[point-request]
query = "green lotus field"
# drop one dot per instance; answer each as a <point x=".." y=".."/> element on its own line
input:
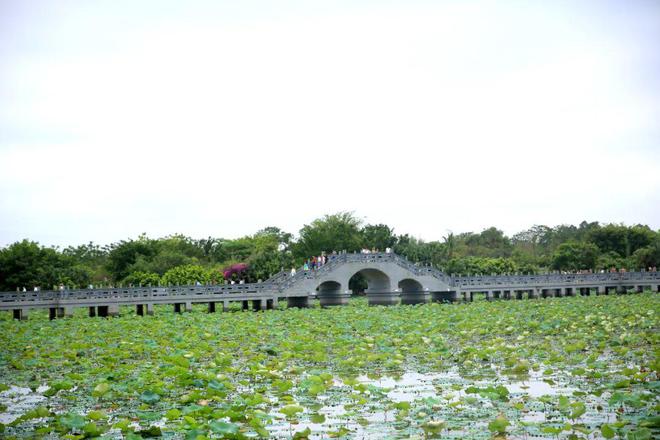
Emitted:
<point x="562" y="368"/>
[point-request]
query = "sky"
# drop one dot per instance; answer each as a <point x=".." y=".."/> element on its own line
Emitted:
<point x="219" y="118"/>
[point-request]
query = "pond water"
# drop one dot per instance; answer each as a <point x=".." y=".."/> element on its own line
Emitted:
<point x="427" y="392"/>
<point x="18" y="401"/>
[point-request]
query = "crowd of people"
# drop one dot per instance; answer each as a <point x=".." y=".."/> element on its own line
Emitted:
<point x="317" y="262"/>
<point x="314" y="263"/>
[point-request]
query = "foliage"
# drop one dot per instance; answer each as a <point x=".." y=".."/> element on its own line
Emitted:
<point x="540" y="248"/>
<point x="378" y="236"/>
<point x="577" y="367"/>
<point x="481" y="265"/>
<point x="336" y="232"/>
<point x="27" y="264"/>
<point x="187" y="275"/>
<point x="574" y="256"/>
<point x="142" y="279"/>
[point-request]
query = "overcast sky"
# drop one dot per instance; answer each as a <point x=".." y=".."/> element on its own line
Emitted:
<point x="218" y="118"/>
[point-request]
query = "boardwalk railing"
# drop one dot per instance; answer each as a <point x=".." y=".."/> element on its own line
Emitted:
<point x="283" y="284"/>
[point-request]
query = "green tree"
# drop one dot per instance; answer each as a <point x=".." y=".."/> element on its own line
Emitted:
<point x="334" y="232"/>
<point x="187" y="275"/>
<point x="123" y="255"/>
<point x="609" y="260"/>
<point x="92" y="260"/>
<point x="490" y="242"/>
<point x="413" y="249"/>
<point x="575" y="255"/>
<point x="533" y="241"/>
<point x="449" y="241"/>
<point x="269" y="254"/>
<point x="378" y="237"/>
<point x="28" y="264"/>
<point x="638" y="237"/>
<point x="648" y="256"/>
<point x="481" y="265"/>
<point x="142" y="279"/>
<point x="611" y="238"/>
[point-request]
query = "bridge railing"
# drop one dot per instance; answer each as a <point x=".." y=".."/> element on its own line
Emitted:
<point x="577" y="279"/>
<point x="135" y="292"/>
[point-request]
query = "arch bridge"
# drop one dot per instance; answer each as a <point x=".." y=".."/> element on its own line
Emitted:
<point x="390" y="279"/>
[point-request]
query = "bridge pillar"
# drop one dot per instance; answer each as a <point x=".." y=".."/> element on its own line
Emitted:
<point x="451" y="296"/>
<point x="560" y="293"/>
<point x="271" y="304"/>
<point x="490" y="295"/>
<point x="92" y="311"/>
<point x="382" y="298"/>
<point x="534" y="293"/>
<point x="330" y="293"/>
<point x="258" y="304"/>
<point x="20" y="314"/>
<point x="144" y="309"/>
<point x="334" y="299"/>
<point x="65" y="312"/>
<point x="639" y="289"/>
<point x="419" y="297"/>
<point x="506" y="294"/>
<point x="225" y="306"/>
<point x="300" y="302"/>
<point x="602" y="290"/>
<point x="184" y="306"/>
<point x="113" y="310"/>
<point x="655" y="288"/>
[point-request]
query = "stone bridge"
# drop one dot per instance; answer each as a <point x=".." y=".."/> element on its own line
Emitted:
<point x="390" y="279"/>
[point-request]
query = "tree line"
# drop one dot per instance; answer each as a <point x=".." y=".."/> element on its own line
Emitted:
<point x="179" y="260"/>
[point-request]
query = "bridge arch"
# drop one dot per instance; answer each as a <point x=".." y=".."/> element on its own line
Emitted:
<point x="413" y="292"/>
<point x="377" y="280"/>
<point x="381" y="286"/>
<point x="410" y="285"/>
<point x="330" y="293"/>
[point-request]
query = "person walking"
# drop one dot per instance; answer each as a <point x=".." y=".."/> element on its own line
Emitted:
<point x="293" y="271"/>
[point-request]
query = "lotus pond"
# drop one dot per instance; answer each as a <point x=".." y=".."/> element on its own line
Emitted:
<point x="565" y="368"/>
